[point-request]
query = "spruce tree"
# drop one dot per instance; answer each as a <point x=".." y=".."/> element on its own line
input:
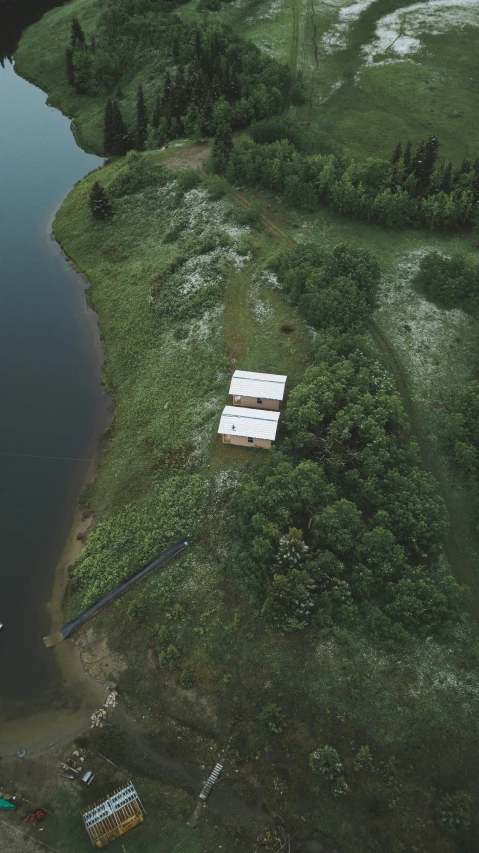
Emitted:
<point x="155" y="119"/>
<point x="77" y="36"/>
<point x="397" y="154"/>
<point x="141" y="121"/>
<point x="432" y="150"/>
<point x="446" y="177"/>
<point x="166" y="97"/>
<point x="108" y="129"/>
<point x="69" y="66"/>
<point x="423" y="163"/>
<point x="407" y="157"/>
<point x="100" y="204"/>
<point x="222" y="148"/>
<point x="121" y="139"/>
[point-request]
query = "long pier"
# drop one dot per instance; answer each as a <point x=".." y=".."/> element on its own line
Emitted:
<point x="113" y="594"/>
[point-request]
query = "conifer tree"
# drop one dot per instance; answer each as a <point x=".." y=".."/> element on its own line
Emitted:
<point x="141" y="121"/>
<point x="69" y="66"/>
<point x="222" y="148"/>
<point x="108" y="128"/>
<point x="166" y="97"/>
<point x="432" y="150"/>
<point x="446" y="177"/>
<point x="423" y="163"/>
<point x="407" y="157"/>
<point x="115" y="133"/>
<point x="292" y="551"/>
<point x="465" y="167"/>
<point x="397" y="153"/>
<point x="100" y="204"/>
<point x="155" y="119"/>
<point x="121" y="138"/>
<point x="77" y="36"/>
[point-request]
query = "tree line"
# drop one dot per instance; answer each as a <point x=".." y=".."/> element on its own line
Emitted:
<point x="341" y="526"/>
<point x="207" y="76"/>
<point x="411" y="189"/>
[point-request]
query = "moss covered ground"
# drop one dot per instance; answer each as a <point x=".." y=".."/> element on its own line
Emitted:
<point x="200" y="666"/>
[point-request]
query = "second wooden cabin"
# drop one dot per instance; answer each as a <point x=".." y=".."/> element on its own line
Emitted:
<point x="257" y="390"/>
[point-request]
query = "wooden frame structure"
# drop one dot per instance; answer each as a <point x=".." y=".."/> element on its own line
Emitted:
<point x="113" y="816"/>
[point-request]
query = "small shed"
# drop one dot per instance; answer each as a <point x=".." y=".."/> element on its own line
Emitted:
<point x="248" y="427"/>
<point x="113" y="816"/>
<point x="257" y="390"/>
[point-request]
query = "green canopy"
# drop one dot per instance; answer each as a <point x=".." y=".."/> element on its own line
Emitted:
<point x="4" y="804"/>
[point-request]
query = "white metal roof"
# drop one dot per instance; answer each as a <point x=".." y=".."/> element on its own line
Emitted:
<point x="269" y="386"/>
<point x="249" y="423"/>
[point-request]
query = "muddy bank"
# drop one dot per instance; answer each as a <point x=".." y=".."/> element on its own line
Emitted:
<point x="83" y="694"/>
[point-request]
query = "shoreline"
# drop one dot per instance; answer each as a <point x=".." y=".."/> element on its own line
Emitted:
<point x="46" y="730"/>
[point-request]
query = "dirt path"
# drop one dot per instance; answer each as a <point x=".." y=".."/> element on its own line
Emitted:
<point x="293" y="59"/>
<point x="453" y="547"/>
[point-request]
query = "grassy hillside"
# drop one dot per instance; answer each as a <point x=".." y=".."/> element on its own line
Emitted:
<point x="181" y="280"/>
<point x="164" y="473"/>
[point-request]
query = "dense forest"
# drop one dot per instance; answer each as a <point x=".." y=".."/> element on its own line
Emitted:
<point x="356" y="535"/>
<point x="207" y="75"/>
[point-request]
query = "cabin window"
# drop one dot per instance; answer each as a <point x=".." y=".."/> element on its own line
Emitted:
<point x="259" y="401"/>
<point x="250" y="440"/>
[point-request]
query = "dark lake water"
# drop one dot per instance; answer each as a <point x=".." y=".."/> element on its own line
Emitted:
<point x="51" y="404"/>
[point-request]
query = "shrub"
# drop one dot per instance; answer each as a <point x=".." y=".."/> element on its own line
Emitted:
<point x="169" y="658"/>
<point x="363" y="759"/>
<point x="455" y="810"/>
<point x="325" y="762"/>
<point x="100" y="204"/>
<point x="271" y="720"/>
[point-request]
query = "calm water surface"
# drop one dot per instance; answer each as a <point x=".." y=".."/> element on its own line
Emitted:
<point x="50" y="395"/>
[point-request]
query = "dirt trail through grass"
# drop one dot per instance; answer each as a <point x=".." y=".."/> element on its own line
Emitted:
<point x="310" y="11"/>
<point x="453" y="547"/>
<point x="293" y="62"/>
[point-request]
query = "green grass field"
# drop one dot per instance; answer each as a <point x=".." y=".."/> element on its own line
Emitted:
<point x="376" y="73"/>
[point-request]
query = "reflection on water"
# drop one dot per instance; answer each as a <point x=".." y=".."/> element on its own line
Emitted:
<point x="50" y="393"/>
<point x="15" y="15"/>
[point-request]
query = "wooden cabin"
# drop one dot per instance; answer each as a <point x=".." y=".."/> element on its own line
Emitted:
<point x="248" y="427"/>
<point x="257" y="390"/>
<point x="114" y="816"/>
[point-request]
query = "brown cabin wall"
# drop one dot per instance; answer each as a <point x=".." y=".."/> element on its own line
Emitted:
<point x="252" y="403"/>
<point x="243" y="441"/>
